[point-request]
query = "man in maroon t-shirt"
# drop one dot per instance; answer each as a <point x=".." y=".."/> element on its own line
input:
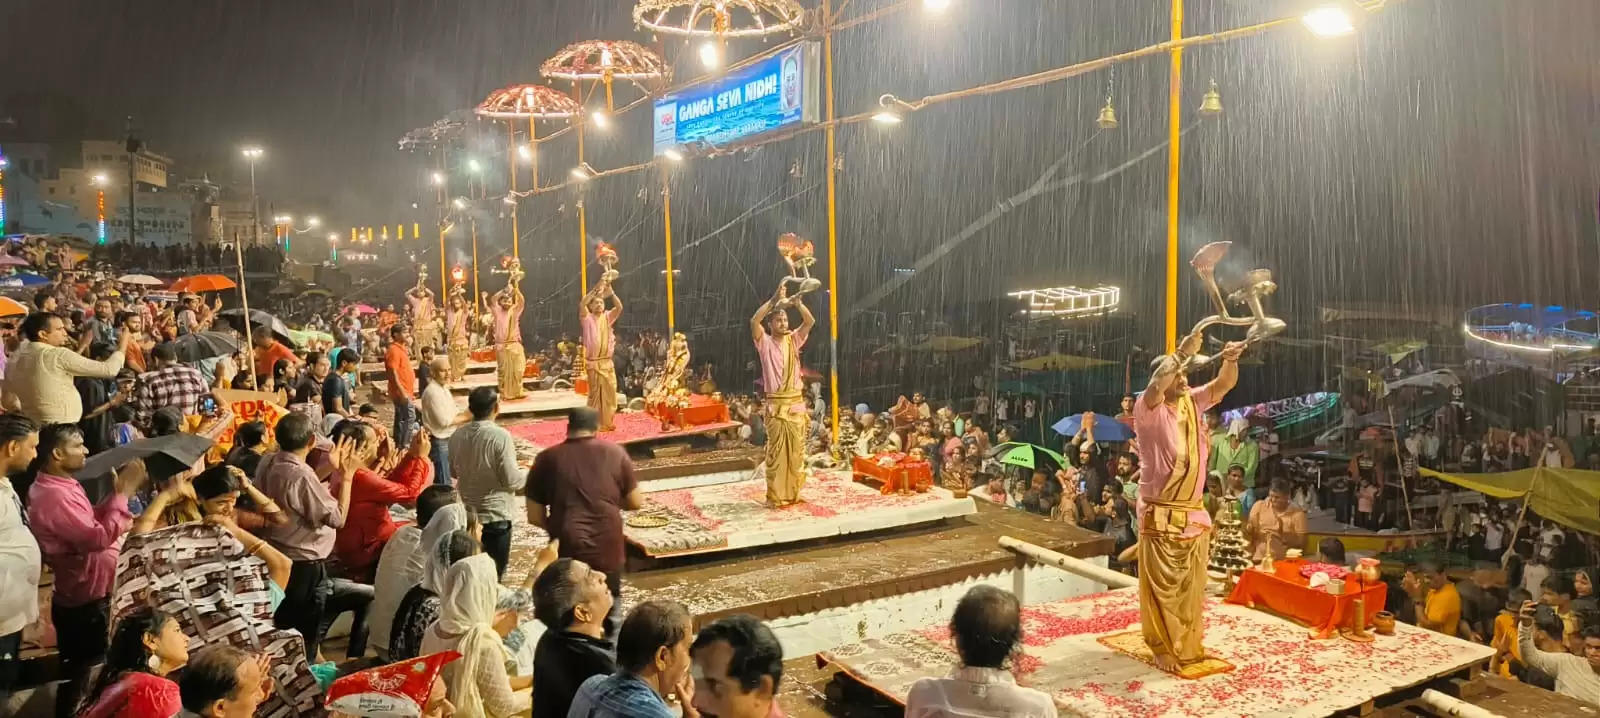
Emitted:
<point x="577" y="491"/>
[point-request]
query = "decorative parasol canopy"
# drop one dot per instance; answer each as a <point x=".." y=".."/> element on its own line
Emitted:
<point x="604" y="60"/>
<point x="719" y="18"/>
<point x="203" y="283"/>
<point x="448" y="129"/>
<point x="524" y="101"/>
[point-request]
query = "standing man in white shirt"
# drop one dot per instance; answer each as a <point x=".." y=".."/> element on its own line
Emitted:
<point x="39" y="376"/>
<point x="440" y="417"/>
<point x="987" y="627"/>
<point x="19" y="553"/>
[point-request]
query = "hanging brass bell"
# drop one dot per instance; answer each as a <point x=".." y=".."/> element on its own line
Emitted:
<point x="1108" y="117"/>
<point x="1211" y="105"/>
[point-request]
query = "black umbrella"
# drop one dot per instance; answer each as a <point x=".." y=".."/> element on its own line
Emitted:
<point x="163" y="456"/>
<point x="200" y="346"/>
<point x="261" y="320"/>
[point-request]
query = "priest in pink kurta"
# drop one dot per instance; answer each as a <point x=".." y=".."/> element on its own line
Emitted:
<point x="1174" y="528"/>
<point x="785" y="413"/>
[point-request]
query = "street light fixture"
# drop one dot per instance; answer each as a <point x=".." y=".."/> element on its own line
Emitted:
<point x="600" y="119"/>
<point x="525" y="152"/>
<point x="1332" y="18"/>
<point x="473" y="165"/>
<point x="935" y="5"/>
<point x="673" y="154"/>
<point x="459" y="203"/>
<point x="251" y="154"/>
<point x="710" y="55"/>
<point x="890" y="110"/>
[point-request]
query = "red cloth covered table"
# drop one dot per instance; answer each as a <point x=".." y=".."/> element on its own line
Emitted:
<point x="1295" y="599"/>
<point x="702" y="409"/>
<point x="903" y="474"/>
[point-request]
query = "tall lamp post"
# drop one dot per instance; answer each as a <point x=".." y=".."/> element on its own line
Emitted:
<point x="251" y="154"/>
<point x="100" y="180"/>
<point x="133" y="145"/>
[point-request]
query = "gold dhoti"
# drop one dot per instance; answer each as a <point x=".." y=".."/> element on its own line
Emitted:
<point x="1172" y="583"/>
<point x="603" y="391"/>
<point x="786" y="453"/>
<point x="425" y="336"/>
<point x="458" y="361"/>
<point x="510" y="364"/>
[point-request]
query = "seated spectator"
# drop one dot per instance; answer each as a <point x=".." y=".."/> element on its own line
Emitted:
<point x="1507" y="659"/>
<point x="169" y="384"/>
<point x="738" y="664"/>
<point x="572" y="601"/>
<point x="224" y="682"/>
<point x="653" y="663"/>
<point x="146" y="646"/>
<point x="419" y="608"/>
<point x="393" y="580"/>
<point x="249" y="445"/>
<point x="1330" y="550"/>
<point x="369" y="524"/>
<point x="987" y="628"/>
<point x="466" y="625"/>
<point x="1577" y="676"/>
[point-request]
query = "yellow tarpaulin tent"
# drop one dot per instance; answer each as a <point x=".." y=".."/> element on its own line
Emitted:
<point x="1570" y="497"/>
<point x="1059" y="362"/>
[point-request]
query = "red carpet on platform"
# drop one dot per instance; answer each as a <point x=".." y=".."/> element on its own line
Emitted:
<point x="631" y="427"/>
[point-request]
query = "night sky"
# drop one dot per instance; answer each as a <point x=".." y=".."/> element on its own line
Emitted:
<point x="1446" y="155"/>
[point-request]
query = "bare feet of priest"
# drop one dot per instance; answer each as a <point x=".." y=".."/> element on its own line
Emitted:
<point x="1167" y="662"/>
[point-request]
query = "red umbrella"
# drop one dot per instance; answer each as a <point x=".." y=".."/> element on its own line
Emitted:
<point x="203" y="283"/>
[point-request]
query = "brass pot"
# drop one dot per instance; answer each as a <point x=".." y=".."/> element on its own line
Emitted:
<point x="1383" y="623"/>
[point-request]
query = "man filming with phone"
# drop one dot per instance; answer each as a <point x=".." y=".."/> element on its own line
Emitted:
<point x="1576" y="676"/>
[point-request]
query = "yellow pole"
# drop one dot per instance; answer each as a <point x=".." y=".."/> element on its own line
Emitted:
<point x="1174" y="127"/>
<point x="666" y="215"/>
<point x="533" y="150"/>
<point x="833" y="226"/>
<point x="583" y="225"/>
<point x="511" y="158"/>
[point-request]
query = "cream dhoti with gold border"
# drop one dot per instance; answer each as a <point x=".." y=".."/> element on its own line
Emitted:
<point x="1173" y="551"/>
<point x="603" y="391"/>
<point x="510" y="363"/>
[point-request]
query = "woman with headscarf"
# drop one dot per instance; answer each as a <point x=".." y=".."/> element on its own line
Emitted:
<point x="478" y="682"/>
<point x="425" y="573"/>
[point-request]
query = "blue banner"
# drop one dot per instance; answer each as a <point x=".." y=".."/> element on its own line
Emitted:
<point x="775" y="93"/>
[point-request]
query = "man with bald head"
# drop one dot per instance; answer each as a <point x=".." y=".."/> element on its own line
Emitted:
<point x="439" y="417"/>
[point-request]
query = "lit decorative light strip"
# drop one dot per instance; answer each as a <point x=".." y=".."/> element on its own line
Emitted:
<point x="1069" y="301"/>
<point x="100" y="206"/>
<point x="1467" y="330"/>
<point x="2" y="195"/>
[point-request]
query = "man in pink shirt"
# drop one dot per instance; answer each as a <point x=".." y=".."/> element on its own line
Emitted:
<point x="1174" y="528"/>
<point x="78" y="541"/>
<point x="786" y="414"/>
<point x="508" y="355"/>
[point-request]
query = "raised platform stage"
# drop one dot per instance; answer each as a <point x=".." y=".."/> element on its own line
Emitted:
<point x="634" y="427"/>
<point x="1277" y="669"/>
<point x="375" y="369"/>
<point x="543" y="401"/>
<point x="734" y="515"/>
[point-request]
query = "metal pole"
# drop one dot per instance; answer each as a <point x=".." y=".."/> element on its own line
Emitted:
<point x="833" y="226"/>
<point x="1174" y="129"/>
<point x="583" y="225"/>
<point x="255" y="207"/>
<point x="666" y="216"/>
<point x="444" y="271"/>
<point x="511" y="157"/>
<point x="533" y="150"/>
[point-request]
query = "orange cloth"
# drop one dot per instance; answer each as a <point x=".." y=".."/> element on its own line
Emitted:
<point x="265" y="358"/>
<point x="397" y="369"/>
<point x="701" y="410"/>
<point x="1296" y="599"/>
<point x="903" y="474"/>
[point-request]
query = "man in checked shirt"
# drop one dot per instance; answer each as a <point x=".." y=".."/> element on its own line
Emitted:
<point x="169" y="383"/>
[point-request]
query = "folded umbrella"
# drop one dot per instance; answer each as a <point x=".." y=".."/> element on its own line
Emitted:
<point x="200" y="346"/>
<point x="260" y="320"/>
<point x="163" y="456"/>
<point x="1105" y="428"/>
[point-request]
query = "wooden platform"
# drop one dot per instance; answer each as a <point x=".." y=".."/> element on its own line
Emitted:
<point x="632" y="428"/>
<point x="543" y="401"/>
<point x="473" y="367"/>
<point x="472" y="381"/>
<point x="1277" y="669"/>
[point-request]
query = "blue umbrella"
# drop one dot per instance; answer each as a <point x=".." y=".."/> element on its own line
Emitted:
<point x="1105" y="427"/>
<point x="23" y="279"/>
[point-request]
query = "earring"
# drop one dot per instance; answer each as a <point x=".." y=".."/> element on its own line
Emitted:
<point x="154" y="662"/>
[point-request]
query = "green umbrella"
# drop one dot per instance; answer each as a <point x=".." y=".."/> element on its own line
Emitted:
<point x="1027" y="456"/>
